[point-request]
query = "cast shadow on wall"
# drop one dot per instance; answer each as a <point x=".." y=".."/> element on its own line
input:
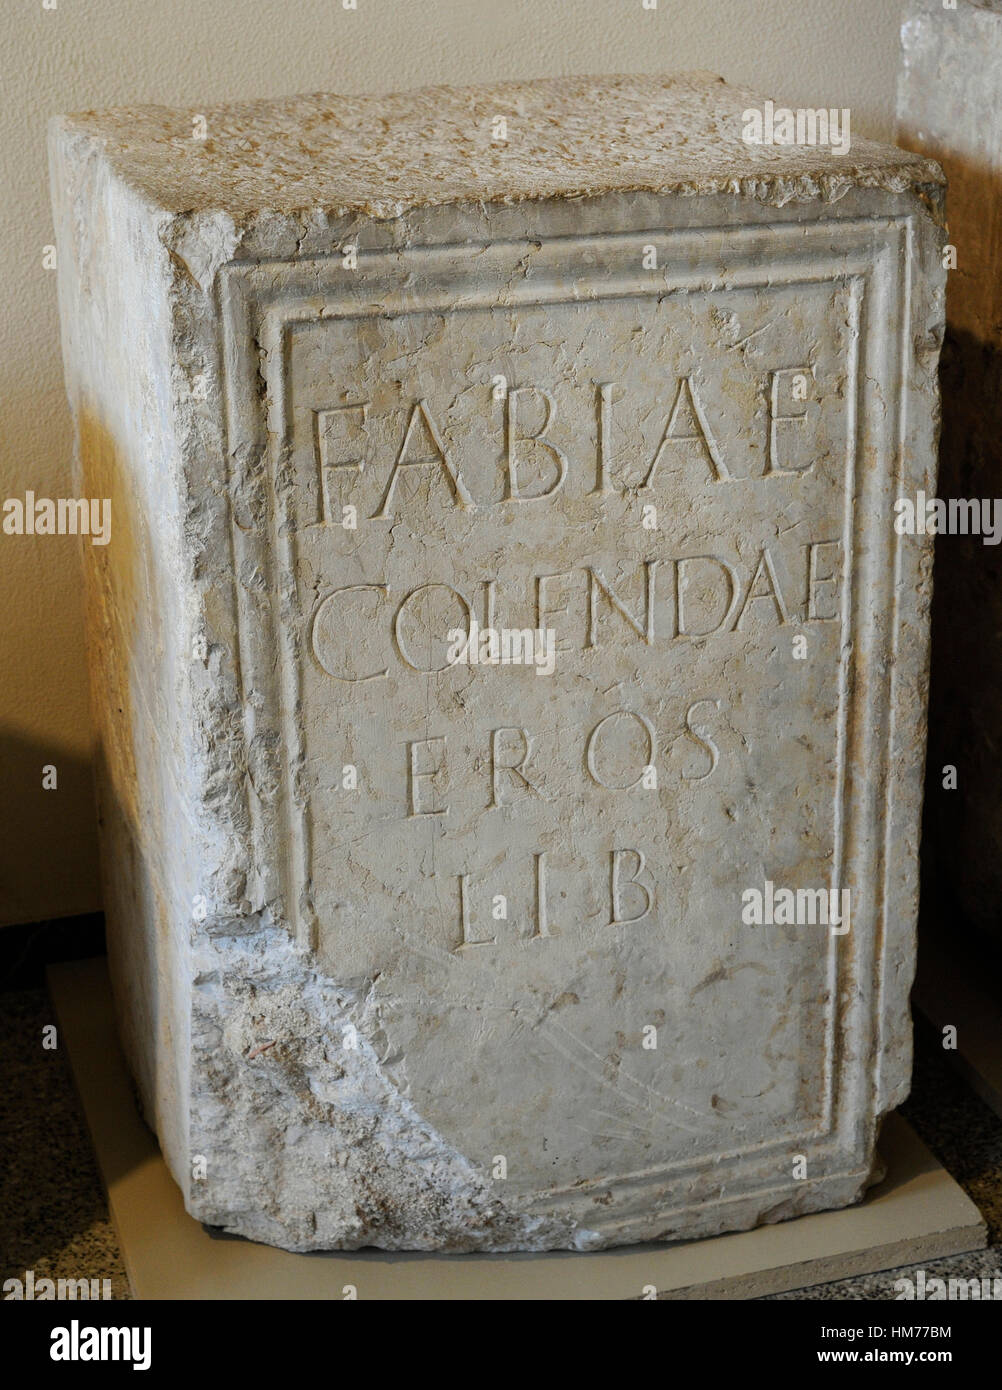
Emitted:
<point x="962" y="822"/>
<point x="42" y="790"/>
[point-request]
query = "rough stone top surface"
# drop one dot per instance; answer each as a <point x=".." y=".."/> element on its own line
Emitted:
<point x="567" y="137"/>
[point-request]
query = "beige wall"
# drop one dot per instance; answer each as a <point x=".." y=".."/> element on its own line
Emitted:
<point x="93" y="53"/>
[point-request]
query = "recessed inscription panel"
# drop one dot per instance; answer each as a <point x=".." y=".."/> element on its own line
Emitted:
<point x="644" y="500"/>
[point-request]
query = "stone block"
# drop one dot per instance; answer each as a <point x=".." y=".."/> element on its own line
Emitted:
<point x="425" y="942"/>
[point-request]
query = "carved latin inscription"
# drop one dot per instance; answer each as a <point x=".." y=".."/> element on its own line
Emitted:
<point x="335" y="429"/>
<point x="639" y="486"/>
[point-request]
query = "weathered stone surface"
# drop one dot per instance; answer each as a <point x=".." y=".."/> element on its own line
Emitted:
<point x="948" y="107"/>
<point x="623" y="377"/>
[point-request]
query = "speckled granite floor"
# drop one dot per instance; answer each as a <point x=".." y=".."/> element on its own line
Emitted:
<point x="53" y="1217"/>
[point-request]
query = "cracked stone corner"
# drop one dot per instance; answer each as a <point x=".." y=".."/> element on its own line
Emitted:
<point x="269" y="1029"/>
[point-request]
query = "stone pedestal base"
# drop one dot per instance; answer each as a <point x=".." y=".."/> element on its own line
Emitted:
<point x="597" y="926"/>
